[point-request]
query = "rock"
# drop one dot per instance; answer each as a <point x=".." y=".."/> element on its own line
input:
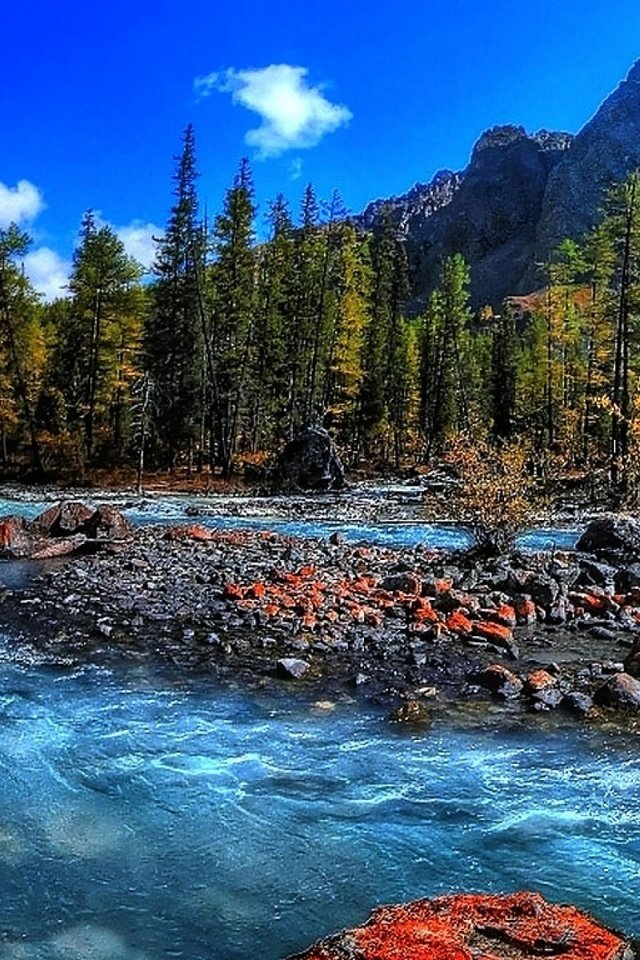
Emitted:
<point x="632" y="662"/>
<point x="526" y="610"/>
<point x="463" y="926"/>
<point x="622" y="691"/>
<point x="411" y="713"/>
<point x="58" y="547"/>
<point x="499" y="680"/>
<point x="579" y="703"/>
<point x="627" y="578"/>
<point x="613" y="533"/>
<point x="63" y="519"/>
<point x="193" y="531"/>
<point x="543" y="589"/>
<point x="291" y="668"/>
<point x="401" y="583"/>
<point x="15" y="540"/>
<point x="310" y="462"/>
<point x="539" y="680"/>
<point x="109" y="524"/>
<point x="597" y="574"/>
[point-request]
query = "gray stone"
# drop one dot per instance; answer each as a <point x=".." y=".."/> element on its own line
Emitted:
<point x="621" y="691"/>
<point x="291" y="668"/>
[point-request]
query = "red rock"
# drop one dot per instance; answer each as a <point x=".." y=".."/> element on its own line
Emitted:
<point x="60" y="547"/>
<point x="475" y="927"/>
<point x="192" y="531"/>
<point x="493" y="631"/>
<point x="526" y="611"/>
<point x="505" y="615"/>
<point x="460" y="624"/>
<point x="11" y="530"/>
<point x="257" y="591"/>
<point x="499" y="680"/>
<point x="232" y="591"/>
<point x="540" y="680"/>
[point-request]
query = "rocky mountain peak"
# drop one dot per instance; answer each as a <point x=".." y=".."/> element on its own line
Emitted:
<point x="519" y="197"/>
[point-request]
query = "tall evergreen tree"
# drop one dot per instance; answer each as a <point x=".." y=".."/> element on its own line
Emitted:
<point x="174" y="333"/>
<point x="234" y="312"/>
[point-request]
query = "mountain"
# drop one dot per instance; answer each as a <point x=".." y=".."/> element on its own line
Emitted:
<point x="520" y="195"/>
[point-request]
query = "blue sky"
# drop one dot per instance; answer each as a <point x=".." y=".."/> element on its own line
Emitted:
<point x="366" y="97"/>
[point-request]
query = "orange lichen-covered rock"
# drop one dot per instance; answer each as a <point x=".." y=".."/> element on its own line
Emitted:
<point x="506" y="615"/>
<point x="493" y="631"/>
<point x="192" y="531"/>
<point x="460" y="624"/>
<point x="526" y="611"/>
<point x="540" y="680"/>
<point x="519" y="926"/>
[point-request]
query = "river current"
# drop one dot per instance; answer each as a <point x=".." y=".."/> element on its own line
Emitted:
<point x="146" y="816"/>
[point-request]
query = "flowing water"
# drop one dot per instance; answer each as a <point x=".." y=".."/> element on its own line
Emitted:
<point x="405" y="533"/>
<point x="146" y="816"/>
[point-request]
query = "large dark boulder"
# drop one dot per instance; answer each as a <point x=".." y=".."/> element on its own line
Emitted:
<point x="613" y="534"/>
<point x="310" y="462"/>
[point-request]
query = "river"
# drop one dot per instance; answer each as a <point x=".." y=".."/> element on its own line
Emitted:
<point x="145" y="816"/>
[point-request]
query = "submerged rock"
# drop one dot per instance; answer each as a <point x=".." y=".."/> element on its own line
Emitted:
<point x="467" y="926"/>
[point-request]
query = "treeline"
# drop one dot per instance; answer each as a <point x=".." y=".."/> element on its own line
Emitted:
<point x="233" y="345"/>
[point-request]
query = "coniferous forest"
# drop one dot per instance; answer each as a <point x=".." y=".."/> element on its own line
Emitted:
<point x="252" y="326"/>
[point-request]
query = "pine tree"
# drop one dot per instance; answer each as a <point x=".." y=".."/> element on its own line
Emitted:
<point x="234" y="274"/>
<point x="174" y="333"/>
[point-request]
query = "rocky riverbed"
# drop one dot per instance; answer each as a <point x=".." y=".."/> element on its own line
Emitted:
<point x="419" y="628"/>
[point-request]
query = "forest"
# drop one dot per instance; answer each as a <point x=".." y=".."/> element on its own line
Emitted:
<point x="232" y="345"/>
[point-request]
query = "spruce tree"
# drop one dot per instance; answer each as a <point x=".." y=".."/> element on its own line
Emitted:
<point x="174" y="331"/>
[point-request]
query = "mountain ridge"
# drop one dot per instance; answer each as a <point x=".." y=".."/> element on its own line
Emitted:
<point x="519" y="196"/>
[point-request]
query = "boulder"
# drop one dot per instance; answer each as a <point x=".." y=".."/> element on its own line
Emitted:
<point x="107" y="523"/>
<point x="462" y="926"/>
<point x="15" y="541"/>
<point x="310" y="462"/>
<point x="62" y="520"/>
<point x="499" y="680"/>
<point x="72" y="517"/>
<point x="622" y="692"/>
<point x="612" y="534"/>
<point x="290" y="668"/>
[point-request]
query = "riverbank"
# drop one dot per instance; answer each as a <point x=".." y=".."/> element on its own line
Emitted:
<point x="418" y="629"/>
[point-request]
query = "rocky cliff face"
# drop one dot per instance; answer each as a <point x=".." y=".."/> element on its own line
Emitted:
<point x="604" y="152"/>
<point x="520" y="195"/>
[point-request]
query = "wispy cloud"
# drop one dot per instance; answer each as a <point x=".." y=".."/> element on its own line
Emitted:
<point x="48" y="272"/>
<point x="137" y="238"/>
<point x="294" y="115"/>
<point x="19" y="204"/>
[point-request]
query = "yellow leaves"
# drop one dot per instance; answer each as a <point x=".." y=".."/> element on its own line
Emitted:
<point x="493" y="496"/>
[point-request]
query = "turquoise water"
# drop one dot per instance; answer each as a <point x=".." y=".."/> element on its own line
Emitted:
<point x="146" y="816"/>
<point x="175" y="510"/>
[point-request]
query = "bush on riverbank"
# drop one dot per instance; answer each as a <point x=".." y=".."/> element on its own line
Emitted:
<point x="494" y="495"/>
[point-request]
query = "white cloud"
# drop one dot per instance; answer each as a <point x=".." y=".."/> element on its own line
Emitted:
<point x="48" y="272"/>
<point x="20" y="203"/>
<point x="294" y="115"/>
<point x="137" y="238"/>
